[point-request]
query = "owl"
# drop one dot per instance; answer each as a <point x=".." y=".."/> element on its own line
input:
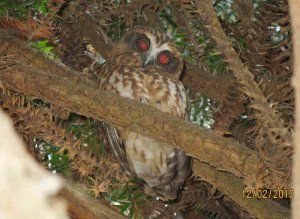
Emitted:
<point x="145" y="66"/>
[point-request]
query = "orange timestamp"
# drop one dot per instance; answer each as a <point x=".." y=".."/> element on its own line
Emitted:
<point x="268" y="193"/>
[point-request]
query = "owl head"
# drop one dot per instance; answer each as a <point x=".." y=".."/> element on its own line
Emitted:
<point x="147" y="48"/>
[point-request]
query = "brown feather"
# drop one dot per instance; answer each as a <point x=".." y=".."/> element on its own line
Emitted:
<point x="161" y="168"/>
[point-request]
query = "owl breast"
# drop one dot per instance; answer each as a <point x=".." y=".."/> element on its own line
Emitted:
<point x="154" y="163"/>
<point x="148" y="87"/>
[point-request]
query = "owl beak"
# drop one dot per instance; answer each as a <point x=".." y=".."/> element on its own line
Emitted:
<point x="147" y="62"/>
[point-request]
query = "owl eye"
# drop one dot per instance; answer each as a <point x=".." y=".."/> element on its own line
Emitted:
<point x="164" y="58"/>
<point x="143" y="44"/>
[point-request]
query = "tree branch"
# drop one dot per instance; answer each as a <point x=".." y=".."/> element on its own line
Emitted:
<point x="233" y="188"/>
<point x="78" y="95"/>
<point x="266" y="114"/>
<point x="82" y="206"/>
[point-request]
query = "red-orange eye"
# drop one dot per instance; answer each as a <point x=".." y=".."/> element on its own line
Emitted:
<point x="164" y="58"/>
<point x="143" y="44"/>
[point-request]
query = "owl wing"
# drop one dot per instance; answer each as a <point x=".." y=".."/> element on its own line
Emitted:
<point x="178" y="169"/>
<point x="112" y="137"/>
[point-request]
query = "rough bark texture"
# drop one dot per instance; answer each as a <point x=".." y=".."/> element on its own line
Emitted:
<point x="82" y="206"/>
<point x="200" y="81"/>
<point x="82" y="97"/>
<point x="268" y="116"/>
<point x="233" y="188"/>
<point x="295" y="17"/>
<point x="78" y="96"/>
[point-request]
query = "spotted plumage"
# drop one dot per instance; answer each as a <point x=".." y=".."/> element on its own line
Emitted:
<point x="145" y="66"/>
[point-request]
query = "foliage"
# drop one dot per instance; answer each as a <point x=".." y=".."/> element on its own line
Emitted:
<point x="32" y="19"/>
<point x="201" y="112"/>
<point x="43" y="46"/>
<point x="71" y="144"/>
<point x="85" y="129"/>
<point x="20" y="9"/>
<point x="129" y="199"/>
<point x="56" y="162"/>
<point x="224" y="10"/>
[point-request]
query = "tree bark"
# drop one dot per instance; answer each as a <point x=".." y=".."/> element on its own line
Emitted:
<point x="233" y="188"/>
<point x="76" y="95"/>
<point x="82" y="206"/>
<point x="63" y="88"/>
<point x="242" y="74"/>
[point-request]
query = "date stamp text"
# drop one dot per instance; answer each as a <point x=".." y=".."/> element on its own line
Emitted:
<point x="268" y="193"/>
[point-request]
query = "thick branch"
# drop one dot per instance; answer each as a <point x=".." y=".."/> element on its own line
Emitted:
<point x="205" y="83"/>
<point x="82" y="206"/>
<point x="266" y="113"/>
<point x="232" y="187"/>
<point x="78" y="96"/>
<point x="30" y="56"/>
<point x="198" y="142"/>
<point x="197" y="80"/>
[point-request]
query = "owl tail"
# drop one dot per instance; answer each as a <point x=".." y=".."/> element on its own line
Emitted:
<point x="168" y="184"/>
